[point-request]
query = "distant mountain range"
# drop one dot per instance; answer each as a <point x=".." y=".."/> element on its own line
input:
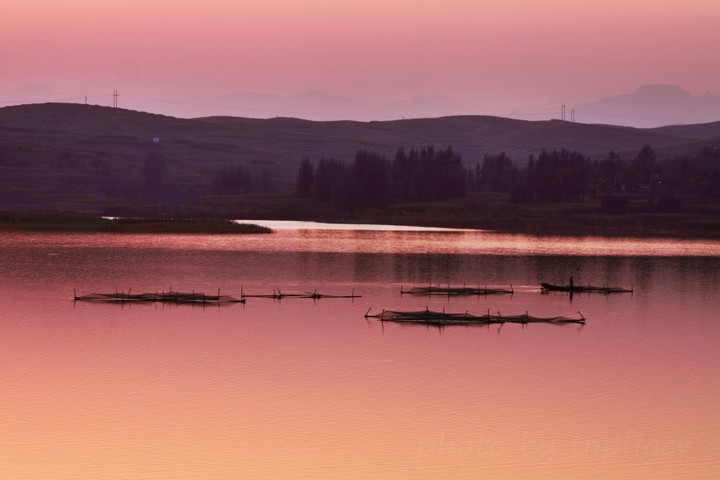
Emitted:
<point x="648" y="107"/>
<point x="652" y="106"/>
<point x="73" y="156"/>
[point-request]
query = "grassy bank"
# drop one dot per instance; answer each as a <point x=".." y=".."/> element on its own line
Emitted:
<point x="79" y="222"/>
<point x="486" y="212"/>
<point x="477" y="211"/>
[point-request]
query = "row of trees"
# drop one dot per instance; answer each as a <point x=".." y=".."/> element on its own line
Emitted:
<point x="427" y="174"/>
<point x="372" y="180"/>
<point x="562" y="176"/>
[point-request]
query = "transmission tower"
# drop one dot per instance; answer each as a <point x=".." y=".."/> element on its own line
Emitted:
<point x="562" y="112"/>
<point x="115" y="98"/>
<point x="572" y="115"/>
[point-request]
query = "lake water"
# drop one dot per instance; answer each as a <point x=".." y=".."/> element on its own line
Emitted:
<point x="298" y="388"/>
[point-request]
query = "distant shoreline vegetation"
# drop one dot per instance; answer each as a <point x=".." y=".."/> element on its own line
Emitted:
<point x="558" y="176"/>
<point x="560" y="192"/>
<point x="79" y="222"/>
<point x="544" y="178"/>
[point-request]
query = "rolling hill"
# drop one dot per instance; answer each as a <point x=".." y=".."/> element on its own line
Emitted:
<point x="84" y="157"/>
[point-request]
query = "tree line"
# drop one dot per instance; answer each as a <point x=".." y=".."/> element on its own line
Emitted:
<point x="564" y="176"/>
<point x="372" y="180"/>
<point x="429" y="174"/>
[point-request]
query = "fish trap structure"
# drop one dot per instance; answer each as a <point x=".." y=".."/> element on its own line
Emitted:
<point x="278" y="294"/>
<point x="443" y="318"/>
<point x="158" y="297"/>
<point x="193" y="297"/>
<point x="450" y="291"/>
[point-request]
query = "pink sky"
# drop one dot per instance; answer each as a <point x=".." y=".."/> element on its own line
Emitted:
<point x="495" y="55"/>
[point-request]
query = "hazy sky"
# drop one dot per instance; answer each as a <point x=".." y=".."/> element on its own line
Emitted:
<point x="496" y="54"/>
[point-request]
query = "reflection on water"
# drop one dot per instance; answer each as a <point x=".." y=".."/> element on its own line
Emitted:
<point x="310" y="389"/>
<point x="340" y="238"/>
<point x="357" y="227"/>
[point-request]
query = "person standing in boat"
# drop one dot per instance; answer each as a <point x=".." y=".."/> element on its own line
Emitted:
<point x="572" y="286"/>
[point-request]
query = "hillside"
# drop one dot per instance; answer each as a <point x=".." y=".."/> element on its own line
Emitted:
<point x="83" y="157"/>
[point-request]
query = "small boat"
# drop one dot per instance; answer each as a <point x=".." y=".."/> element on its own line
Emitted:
<point x="583" y="288"/>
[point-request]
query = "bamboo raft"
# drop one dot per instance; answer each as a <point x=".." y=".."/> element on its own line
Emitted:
<point x="158" y="297"/>
<point x="440" y="319"/>
<point x="455" y="291"/>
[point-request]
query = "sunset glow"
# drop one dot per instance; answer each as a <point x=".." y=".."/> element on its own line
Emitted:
<point x="311" y="389"/>
<point x="493" y="55"/>
<point x="364" y="239"/>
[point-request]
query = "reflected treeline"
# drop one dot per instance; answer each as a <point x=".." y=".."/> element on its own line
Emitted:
<point x="233" y="268"/>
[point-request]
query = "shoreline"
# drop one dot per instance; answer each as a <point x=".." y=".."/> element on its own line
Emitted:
<point x="482" y="211"/>
<point x="492" y="212"/>
<point x="93" y="223"/>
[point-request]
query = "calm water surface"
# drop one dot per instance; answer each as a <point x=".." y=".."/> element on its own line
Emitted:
<point x="311" y="389"/>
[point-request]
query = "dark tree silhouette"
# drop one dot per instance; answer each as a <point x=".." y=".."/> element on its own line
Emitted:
<point x="305" y="178"/>
<point x="371" y="171"/>
<point x="372" y="181"/>
<point x="608" y="175"/>
<point x="329" y="175"/>
<point x="557" y="176"/>
<point x="405" y="171"/>
<point x="498" y="173"/>
<point x="440" y="174"/>
<point x="642" y="169"/>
